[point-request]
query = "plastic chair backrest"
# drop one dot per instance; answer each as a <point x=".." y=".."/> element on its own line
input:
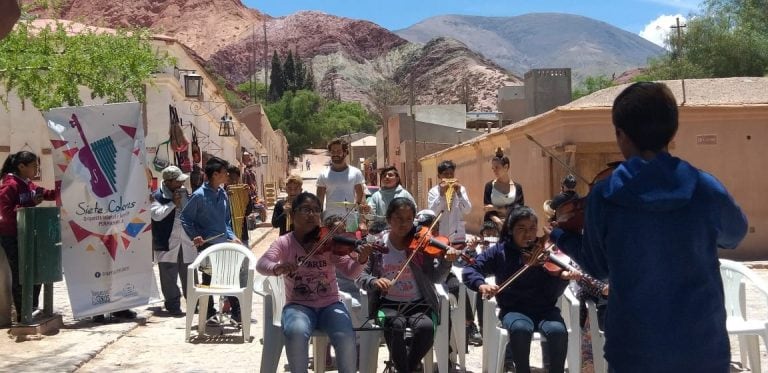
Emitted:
<point x="734" y="276"/>
<point x="275" y="287"/>
<point x="226" y="261"/>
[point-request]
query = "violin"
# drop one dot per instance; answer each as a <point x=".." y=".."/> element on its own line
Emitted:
<point x="556" y="261"/>
<point x="570" y="214"/>
<point x="435" y="246"/>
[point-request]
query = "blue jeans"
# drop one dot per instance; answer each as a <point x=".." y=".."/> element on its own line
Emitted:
<point x="521" y="328"/>
<point x="299" y="322"/>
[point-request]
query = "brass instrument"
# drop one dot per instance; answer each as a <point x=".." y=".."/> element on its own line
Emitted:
<point x="238" y="201"/>
<point x="449" y="192"/>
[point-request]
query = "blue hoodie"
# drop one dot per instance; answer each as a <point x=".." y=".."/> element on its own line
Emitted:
<point x="653" y="228"/>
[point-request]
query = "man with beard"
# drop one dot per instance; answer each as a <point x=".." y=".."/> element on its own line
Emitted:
<point x="174" y="250"/>
<point x="342" y="183"/>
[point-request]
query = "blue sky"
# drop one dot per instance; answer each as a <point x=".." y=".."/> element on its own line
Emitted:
<point x="632" y="15"/>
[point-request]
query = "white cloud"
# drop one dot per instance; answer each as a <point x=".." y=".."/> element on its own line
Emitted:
<point x="680" y="4"/>
<point x="658" y="29"/>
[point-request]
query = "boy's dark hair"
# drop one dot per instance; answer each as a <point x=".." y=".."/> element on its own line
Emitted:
<point x="569" y="181"/>
<point x="344" y="145"/>
<point x="446" y="165"/>
<point x="647" y="113"/>
<point x="214" y="164"/>
<point x="232" y="169"/>
<point x="399" y="203"/>
<point x="304" y="196"/>
<point x="500" y="157"/>
<point x="489" y="225"/>
<point x="516" y="214"/>
<point x="11" y="164"/>
<point x="377" y="227"/>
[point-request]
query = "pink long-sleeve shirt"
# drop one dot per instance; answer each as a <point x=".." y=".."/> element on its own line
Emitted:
<point x="314" y="283"/>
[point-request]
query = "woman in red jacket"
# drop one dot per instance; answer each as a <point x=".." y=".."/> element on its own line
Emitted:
<point x="18" y="190"/>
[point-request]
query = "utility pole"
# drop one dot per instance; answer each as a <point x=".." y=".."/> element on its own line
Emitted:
<point x="679" y="28"/>
<point x="412" y="99"/>
<point x="266" y="63"/>
<point x="253" y="64"/>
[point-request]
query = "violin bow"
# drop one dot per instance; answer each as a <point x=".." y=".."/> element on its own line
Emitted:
<point x="553" y="156"/>
<point x="327" y="236"/>
<point x="422" y="241"/>
<point x="539" y="253"/>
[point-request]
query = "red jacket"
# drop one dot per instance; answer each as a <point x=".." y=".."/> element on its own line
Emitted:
<point x="15" y="193"/>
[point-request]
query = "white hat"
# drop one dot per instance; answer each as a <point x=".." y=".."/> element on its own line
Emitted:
<point x="174" y="173"/>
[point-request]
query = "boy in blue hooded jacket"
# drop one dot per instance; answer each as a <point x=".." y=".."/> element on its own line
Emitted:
<point x="652" y="229"/>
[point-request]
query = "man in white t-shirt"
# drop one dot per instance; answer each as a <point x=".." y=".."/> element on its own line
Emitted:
<point x="340" y="186"/>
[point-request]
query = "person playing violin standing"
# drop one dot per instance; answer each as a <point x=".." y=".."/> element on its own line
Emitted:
<point x="529" y="303"/>
<point x="653" y="228"/>
<point x="311" y="290"/>
<point x="410" y="301"/>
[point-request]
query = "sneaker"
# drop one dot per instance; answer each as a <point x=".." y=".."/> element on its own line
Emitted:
<point x="473" y="335"/>
<point x="509" y="366"/>
<point x="125" y="314"/>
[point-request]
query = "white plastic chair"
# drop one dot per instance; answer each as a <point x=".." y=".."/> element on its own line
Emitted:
<point x="598" y="339"/>
<point x="495" y="337"/>
<point x="369" y="340"/>
<point x="458" y="312"/>
<point x="735" y="278"/>
<point x="226" y="261"/>
<point x="273" y="291"/>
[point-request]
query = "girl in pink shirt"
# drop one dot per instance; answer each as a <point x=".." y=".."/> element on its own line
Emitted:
<point x="311" y="291"/>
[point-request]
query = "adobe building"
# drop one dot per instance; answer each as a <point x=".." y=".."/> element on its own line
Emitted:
<point x="723" y="130"/>
<point x="542" y="90"/>
<point x="23" y="126"/>
<point x="403" y="140"/>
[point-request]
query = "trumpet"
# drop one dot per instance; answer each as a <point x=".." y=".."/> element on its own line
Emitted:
<point x="449" y="192"/>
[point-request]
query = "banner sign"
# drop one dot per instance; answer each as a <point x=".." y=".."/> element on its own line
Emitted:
<point x="99" y="163"/>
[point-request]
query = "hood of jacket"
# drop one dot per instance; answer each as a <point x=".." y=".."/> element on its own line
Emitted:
<point x="660" y="184"/>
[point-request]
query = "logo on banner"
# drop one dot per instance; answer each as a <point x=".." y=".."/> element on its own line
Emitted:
<point x="99" y="218"/>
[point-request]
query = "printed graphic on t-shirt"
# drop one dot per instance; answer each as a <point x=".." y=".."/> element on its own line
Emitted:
<point x="310" y="282"/>
<point x="404" y="289"/>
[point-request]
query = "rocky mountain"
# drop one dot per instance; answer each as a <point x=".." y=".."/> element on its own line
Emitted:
<point x="540" y="40"/>
<point x="351" y="55"/>
<point x="205" y="26"/>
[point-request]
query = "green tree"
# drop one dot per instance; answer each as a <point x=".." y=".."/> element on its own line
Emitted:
<point x="276" y="80"/>
<point x="592" y="84"/>
<point x="727" y="38"/>
<point x="289" y="72"/>
<point x="308" y="120"/>
<point x="259" y="90"/>
<point x="47" y="66"/>
<point x="301" y="72"/>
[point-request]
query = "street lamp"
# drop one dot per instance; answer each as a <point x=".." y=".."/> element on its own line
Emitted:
<point x="193" y="85"/>
<point x="226" y="126"/>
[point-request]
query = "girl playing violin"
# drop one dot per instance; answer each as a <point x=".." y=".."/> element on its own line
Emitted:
<point x="529" y="303"/>
<point x="311" y="291"/>
<point x="411" y="301"/>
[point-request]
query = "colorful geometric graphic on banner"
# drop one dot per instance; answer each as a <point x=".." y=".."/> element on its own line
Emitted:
<point x="99" y="154"/>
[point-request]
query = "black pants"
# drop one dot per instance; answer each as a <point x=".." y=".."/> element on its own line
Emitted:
<point x="395" y="317"/>
<point x="11" y="246"/>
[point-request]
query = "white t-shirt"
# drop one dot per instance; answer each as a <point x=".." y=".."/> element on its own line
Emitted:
<point x="339" y="187"/>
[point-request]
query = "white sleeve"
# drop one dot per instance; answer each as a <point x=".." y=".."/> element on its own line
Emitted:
<point x="159" y="211"/>
<point x="321" y="179"/>
<point x="435" y="202"/>
<point x="358" y="177"/>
